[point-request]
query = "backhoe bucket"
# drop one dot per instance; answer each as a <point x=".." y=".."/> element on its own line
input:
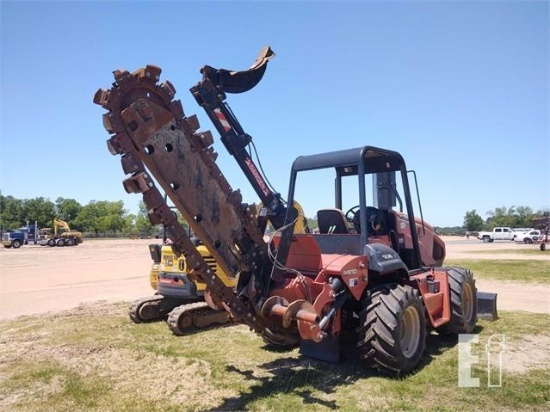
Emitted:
<point x="487" y="306"/>
<point x="239" y="82"/>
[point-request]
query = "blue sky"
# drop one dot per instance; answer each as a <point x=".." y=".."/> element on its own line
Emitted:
<point x="460" y="89"/>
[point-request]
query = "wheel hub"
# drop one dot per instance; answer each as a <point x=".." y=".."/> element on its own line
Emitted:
<point x="410" y="331"/>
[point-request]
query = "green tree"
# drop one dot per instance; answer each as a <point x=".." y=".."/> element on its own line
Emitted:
<point x="520" y="216"/>
<point x="472" y="221"/>
<point x="39" y="209"/>
<point x="524" y="216"/>
<point x="11" y="213"/>
<point x="102" y="217"/>
<point x="500" y="216"/>
<point x="143" y="225"/>
<point x="67" y="209"/>
<point x="130" y="222"/>
<point x="115" y="218"/>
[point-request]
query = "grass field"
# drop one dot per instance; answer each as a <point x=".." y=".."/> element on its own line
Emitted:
<point x="95" y="359"/>
<point x="532" y="251"/>
<point x="529" y="271"/>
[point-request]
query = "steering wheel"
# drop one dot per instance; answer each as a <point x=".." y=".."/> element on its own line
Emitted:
<point x="352" y="216"/>
<point x="376" y="221"/>
<point x="374" y="218"/>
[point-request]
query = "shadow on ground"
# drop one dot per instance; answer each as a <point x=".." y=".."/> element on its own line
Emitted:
<point x="303" y="377"/>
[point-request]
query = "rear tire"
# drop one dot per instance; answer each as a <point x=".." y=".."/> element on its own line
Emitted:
<point x="51" y="243"/>
<point x="463" y="292"/>
<point x="60" y="242"/>
<point x="543" y="247"/>
<point x="69" y="242"/>
<point x="392" y="331"/>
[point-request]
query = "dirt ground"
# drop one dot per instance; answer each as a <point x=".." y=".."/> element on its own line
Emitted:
<point x="37" y="280"/>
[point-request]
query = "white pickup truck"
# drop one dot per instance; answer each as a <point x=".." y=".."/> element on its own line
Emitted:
<point x="498" y="233"/>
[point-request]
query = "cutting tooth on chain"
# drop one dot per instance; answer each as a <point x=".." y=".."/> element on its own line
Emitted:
<point x="159" y="143"/>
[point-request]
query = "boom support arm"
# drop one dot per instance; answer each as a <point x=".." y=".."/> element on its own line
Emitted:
<point x="60" y="224"/>
<point x="210" y="94"/>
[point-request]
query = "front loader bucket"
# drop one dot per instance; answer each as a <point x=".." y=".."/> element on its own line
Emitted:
<point x="487" y="306"/>
<point x="239" y="82"/>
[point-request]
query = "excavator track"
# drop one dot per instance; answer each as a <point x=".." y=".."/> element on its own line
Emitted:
<point x="152" y="308"/>
<point x="156" y="140"/>
<point x="194" y="316"/>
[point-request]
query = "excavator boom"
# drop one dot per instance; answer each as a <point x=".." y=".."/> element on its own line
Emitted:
<point x="60" y="224"/>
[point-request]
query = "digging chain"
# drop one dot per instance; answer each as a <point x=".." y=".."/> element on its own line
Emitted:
<point x="155" y="139"/>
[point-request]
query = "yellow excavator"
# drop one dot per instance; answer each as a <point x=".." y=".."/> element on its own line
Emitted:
<point x="60" y="235"/>
<point x="186" y="305"/>
<point x="183" y="303"/>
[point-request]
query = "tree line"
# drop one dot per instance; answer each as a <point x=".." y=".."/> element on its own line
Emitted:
<point x="515" y="216"/>
<point x="95" y="218"/>
<point x="104" y="217"/>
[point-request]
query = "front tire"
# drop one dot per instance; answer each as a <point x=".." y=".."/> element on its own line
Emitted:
<point x="16" y="244"/>
<point x="486" y="239"/>
<point x="463" y="292"/>
<point x="392" y="331"/>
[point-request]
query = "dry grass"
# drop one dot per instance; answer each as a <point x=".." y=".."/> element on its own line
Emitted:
<point x="95" y="359"/>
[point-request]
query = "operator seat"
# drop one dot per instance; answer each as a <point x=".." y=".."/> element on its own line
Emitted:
<point x="332" y="221"/>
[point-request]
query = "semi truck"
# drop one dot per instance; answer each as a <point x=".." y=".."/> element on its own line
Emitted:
<point x="59" y="235"/>
<point x="23" y="236"/>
